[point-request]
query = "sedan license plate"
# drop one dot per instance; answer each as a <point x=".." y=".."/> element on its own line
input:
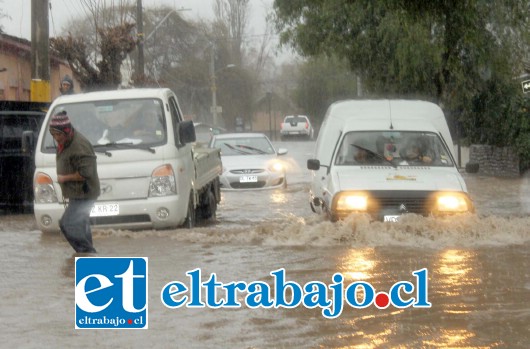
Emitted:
<point x="391" y="219"/>
<point x="101" y="210"/>
<point x="248" y="179"/>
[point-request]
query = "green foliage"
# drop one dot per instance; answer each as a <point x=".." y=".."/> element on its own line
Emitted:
<point x="321" y="81"/>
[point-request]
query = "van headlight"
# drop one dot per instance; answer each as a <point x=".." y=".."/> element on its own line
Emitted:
<point x="351" y="201"/>
<point x="43" y="189"/>
<point x="452" y="202"/>
<point x="162" y="182"/>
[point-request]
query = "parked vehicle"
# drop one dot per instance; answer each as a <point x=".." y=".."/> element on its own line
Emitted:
<point x="150" y="176"/>
<point x="20" y="123"/>
<point x="365" y="162"/>
<point x="250" y="161"/>
<point x="296" y="126"/>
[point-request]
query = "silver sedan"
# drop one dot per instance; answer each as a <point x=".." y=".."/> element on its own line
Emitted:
<point x="250" y="161"/>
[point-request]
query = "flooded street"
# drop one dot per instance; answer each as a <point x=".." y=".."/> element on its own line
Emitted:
<point x="479" y="274"/>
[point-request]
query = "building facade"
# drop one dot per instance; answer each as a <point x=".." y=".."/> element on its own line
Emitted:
<point x="15" y="70"/>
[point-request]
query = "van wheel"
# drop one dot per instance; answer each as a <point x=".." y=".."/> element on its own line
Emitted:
<point x="472" y="167"/>
<point x="191" y="218"/>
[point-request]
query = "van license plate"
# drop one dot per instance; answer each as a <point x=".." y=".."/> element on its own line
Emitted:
<point x="248" y="179"/>
<point x="101" y="210"/>
<point x="391" y="219"/>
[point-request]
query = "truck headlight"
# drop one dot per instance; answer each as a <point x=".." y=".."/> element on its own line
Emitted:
<point x="162" y="182"/>
<point x="351" y="201"/>
<point x="452" y="203"/>
<point x="44" y="189"/>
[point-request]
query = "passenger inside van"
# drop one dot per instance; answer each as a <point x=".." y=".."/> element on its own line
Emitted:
<point x="417" y="151"/>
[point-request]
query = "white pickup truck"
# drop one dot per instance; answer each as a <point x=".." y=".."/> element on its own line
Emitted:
<point x="150" y="175"/>
<point x="296" y="126"/>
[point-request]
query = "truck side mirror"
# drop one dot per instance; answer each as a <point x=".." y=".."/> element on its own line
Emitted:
<point x="28" y="142"/>
<point x="187" y="132"/>
<point x="313" y="164"/>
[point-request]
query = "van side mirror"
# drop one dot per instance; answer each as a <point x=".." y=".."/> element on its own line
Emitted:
<point x="313" y="164"/>
<point x="187" y="132"/>
<point x="28" y="142"/>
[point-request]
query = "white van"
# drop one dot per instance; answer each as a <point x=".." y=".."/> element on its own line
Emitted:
<point x="150" y="175"/>
<point x="386" y="158"/>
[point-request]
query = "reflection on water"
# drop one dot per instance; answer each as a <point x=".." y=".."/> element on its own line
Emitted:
<point x="358" y="265"/>
<point x="455" y="270"/>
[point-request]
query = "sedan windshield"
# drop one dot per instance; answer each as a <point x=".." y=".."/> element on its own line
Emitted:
<point x="244" y="146"/>
<point x="128" y="123"/>
<point x="393" y="148"/>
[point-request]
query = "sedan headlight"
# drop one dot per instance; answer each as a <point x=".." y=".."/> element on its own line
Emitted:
<point x="351" y="201"/>
<point x="450" y="202"/>
<point x="276" y="167"/>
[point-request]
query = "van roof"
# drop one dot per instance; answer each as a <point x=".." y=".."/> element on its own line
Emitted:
<point x="374" y="115"/>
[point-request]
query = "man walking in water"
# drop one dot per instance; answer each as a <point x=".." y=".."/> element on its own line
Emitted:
<point x="78" y="177"/>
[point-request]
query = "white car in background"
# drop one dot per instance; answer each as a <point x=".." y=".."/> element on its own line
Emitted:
<point x="250" y="161"/>
<point x="296" y="126"/>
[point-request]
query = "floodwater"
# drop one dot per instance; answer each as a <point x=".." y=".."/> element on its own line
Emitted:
<point x="478" y="274"/>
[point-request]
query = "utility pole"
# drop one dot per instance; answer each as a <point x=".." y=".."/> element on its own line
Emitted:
<point x="213" y="86"/>
<point x="40" y="60"/>
<point x="140" y="34"/>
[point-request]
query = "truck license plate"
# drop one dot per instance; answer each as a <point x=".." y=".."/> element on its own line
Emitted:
<point x="248" y="179"/>
<point x="391" y="219"/>
<point x="101" y="210"/>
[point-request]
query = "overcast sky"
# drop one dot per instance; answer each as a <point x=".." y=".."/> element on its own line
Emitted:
<point x="19" y="24"/>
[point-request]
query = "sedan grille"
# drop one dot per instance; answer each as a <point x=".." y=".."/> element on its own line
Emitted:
<point x="251" y="185"/>
<point x="248" y="171"/>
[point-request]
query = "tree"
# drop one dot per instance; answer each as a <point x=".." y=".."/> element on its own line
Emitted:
<point x="116" y="43"/>
<point x="102" y="41"/>
<point x="321" y="81"/>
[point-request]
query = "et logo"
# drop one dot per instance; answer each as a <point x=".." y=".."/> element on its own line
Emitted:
<point x="111" y="292"/>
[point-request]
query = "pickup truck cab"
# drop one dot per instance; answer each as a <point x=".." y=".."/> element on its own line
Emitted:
<point x="296" y="126"/>
<point x="385" y="158"/>
<point x="150" y="175"/>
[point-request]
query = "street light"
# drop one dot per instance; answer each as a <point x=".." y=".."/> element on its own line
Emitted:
<point x="214" y="86"/>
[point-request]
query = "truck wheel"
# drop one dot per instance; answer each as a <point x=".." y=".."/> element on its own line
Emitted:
<point x="209" y="207"/>
<point x="191" y="218"/>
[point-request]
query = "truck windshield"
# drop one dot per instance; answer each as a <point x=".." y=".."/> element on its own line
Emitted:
<point x="133" y="123"/>
<point x="396" y="148"/>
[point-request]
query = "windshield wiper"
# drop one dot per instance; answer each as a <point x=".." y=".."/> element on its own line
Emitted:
<point x="379" y="156"/>
<point x="109" y="154"/>
<point x="259" y="151"/>
<point x="236" y="149"/>
<point x="125" y="145"/>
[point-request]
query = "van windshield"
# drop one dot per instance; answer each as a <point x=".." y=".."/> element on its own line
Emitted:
<point x="395" y="148"/>
<point x="137" y="122"/>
